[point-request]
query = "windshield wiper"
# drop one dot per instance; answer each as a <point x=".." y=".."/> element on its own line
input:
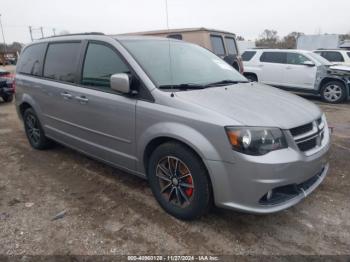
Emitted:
<point x="225" y="83"/>
<point x="182" y="86"/>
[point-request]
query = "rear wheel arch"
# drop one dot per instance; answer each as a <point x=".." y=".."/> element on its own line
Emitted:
<point x="23" y="107"/>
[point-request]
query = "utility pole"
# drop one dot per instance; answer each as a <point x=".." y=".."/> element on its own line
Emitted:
<point x="3" y="35"/>
<point x="42" y="32"/>
<point x="31" y="33"/>
<point x="54" y="31"/>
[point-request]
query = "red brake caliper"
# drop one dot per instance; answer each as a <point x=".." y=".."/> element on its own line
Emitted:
<point x="189" y="191"/>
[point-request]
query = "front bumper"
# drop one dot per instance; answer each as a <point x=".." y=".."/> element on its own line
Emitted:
<point x="243" y="185"/>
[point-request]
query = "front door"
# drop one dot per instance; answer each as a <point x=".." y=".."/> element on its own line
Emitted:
<point x="297" y="74"/>
<point x="272" y="65"/>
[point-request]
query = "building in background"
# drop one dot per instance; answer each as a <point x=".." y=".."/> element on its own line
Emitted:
<point x="314" y="42"/>
<point x="244" y="45"/>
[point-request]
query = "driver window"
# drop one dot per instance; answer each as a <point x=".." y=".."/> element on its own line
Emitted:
<point x="101" y="62"/>
<point x="296" y="59"/>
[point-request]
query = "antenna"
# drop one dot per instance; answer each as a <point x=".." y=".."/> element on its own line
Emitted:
<point x="170" y="58"/>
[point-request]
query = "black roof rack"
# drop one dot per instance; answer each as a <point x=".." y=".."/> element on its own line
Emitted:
<point x="86" y="33"/>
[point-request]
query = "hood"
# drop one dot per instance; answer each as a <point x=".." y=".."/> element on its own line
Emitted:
<point x="254" y="104"/>
<point x="340" y="69"/>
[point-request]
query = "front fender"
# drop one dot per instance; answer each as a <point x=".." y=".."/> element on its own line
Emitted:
<point x="183" y="133"/>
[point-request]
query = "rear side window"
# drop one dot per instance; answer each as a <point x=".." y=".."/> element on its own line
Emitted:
<point x="333" y="56"/>
<point x="231" y="46"/>
<point x="296" y="59"/>
<point x="348" y="54"/>
<point x="248" y="55"/>
<point x="101" y="62"/>
<point x="274" y="57"/>
<point x="31" y="60"/>
<point x="218" y="45"/>
<point x="175" y="36"/>
<point x="61" y="61"/>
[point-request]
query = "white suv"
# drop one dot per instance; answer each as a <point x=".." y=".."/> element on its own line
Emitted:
<point x="335" y="56"/>
<point x="298" y="70"/>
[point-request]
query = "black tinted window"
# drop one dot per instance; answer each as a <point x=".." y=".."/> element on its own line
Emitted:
<point x="175" y="36"/>
<point x="231" y="46"/>
<point x="274" y="57"/>
<point x="333" y="56"/>
<point x="296" y="59"/>
<point x="61" y="61"/>
<point x="349" y="54"/>
<point x="31" y="60"/>
<point x="218" y="45"/>
<point x="101" y="62"/>
<point x="248" y="55"/>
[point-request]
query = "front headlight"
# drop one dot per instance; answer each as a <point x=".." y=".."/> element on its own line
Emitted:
<point x="256" y="141"/>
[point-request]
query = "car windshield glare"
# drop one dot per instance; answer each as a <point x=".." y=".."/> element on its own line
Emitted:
<point x="172" y="63"/>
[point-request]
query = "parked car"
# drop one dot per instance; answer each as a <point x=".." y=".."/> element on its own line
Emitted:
<point x="6" y="85"/>
<point x="199" y="131"/>
<point x="221" y="43"/>
<point x="335" y="56"/>
<point x="298" y="70"/>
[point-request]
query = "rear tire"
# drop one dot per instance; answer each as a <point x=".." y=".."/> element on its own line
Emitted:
<point x="34" y="131"/>
<point x="179" y="181"/>
<point x="8" y="98"/>
<point x="333" y="92"/>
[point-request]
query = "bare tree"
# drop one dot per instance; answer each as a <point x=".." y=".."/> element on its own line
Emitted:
<point x="240" y="38"/>
<point x="268" y="39"/>
<point x="290" y="40"/>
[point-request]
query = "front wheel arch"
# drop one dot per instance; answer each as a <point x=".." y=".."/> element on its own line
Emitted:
<point x="156" y="142"/>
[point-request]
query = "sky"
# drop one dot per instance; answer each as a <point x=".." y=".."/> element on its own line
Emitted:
<point x="247" y="18"/>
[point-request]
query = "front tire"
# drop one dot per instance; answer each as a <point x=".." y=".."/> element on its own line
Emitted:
<point x="333" y="92"/>
<point x="179" y="181"/>
<point x="34" y="131"/>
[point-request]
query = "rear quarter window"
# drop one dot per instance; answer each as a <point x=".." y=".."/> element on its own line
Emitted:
<point x="274" y="57"/>
<point x="217" y="44"/>
<point x="333" y="56"/>
<point x="61" y="61"/>
<point x="248" y="55"/>
<point x="348" y="54"/>
<point x="231" y="46"/>
<point x="31" y="60"/>
<point x="175" y="36"/>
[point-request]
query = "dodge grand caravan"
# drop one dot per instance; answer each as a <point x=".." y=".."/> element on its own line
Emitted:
<point x="180" y="117"/>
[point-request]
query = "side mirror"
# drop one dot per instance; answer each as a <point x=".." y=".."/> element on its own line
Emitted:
<point x="309" y="63"/>
<point x="120" y="83"/>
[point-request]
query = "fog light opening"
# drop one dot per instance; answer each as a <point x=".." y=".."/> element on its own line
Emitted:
<point x="269" y="195"/>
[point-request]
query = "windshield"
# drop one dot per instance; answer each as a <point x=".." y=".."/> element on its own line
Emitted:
<point x="320" y="59"/>
<point x="182" y="64"/>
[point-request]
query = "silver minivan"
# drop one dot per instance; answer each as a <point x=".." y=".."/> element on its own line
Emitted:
<point x="176" y="114"/>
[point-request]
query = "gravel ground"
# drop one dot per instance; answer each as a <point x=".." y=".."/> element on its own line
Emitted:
<point x="110" y="212"/>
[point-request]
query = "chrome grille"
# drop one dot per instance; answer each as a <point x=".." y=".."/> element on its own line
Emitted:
<point x="309" y="136"/>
